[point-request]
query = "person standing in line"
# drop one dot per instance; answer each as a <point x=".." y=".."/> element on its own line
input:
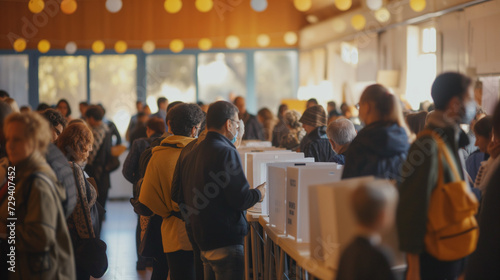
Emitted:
<point x="215" y="200"/>
<point x="253" y="129"/>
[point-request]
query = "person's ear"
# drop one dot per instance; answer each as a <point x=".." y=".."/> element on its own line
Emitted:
<point x="193" y="131"/>
<point x="332" y="144"/>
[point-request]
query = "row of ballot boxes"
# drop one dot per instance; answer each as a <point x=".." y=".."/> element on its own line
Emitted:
<point x="308" y="201"/>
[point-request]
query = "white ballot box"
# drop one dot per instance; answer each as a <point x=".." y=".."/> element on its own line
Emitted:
<point x="333" y="224"/>
<point x="276" y="183"/>
<point x="299" y="178"/>
<point x="256" y="144"/>
<point x="257" y="171"/>
<point x="245" y="150"/>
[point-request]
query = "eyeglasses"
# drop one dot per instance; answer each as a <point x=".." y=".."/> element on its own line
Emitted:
<point x="237" y="123"/>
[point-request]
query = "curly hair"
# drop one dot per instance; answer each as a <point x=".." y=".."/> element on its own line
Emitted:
<point x="292" y="118"/>
<point x="75" y="141"/>
<point x="184" y="117"/>
<point x="36" y="128"/>
<point x="54" y="117"/>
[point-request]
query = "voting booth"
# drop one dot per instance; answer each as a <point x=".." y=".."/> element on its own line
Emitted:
<point x="256" y="171"/>
<point x="245" y="150"/>
<point x="276" y="182"/>
<point x="255" y="144"/>
<point x="333" y="224"/>
<point x="299" y="178"/>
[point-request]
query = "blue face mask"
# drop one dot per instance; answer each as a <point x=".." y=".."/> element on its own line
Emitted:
<point x="235" y="137"/>
<point x="469" y="112"/>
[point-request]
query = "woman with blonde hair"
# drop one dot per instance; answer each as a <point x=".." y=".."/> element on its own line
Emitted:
<point x="381" y="146"/>
<point x="43" y="244"/>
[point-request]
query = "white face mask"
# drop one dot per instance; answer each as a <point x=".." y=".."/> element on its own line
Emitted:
<point x="469" y="112"/>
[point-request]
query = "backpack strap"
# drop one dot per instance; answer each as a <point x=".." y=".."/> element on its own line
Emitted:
<point x="444" y="153"/>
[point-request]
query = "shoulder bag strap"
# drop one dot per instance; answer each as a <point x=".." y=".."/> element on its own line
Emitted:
<point x="89" y="228"/>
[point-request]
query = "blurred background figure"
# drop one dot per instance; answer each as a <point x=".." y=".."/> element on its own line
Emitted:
<point x="82" y="106"/>
<point x="267" y="120"/>
<point x="253" y="129"/>
<point x="280" y="129"/>
<point x="134" y="119"/>
<point x="416" y="122"/>
<point x="311" y="102"/>
<point x="292" y="139"/>
<point x="315" y="144"/>
<point x="63" y="107"/>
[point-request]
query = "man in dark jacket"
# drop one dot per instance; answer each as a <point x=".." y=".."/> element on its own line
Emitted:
<point x="216" y="198"/>
<point x="450" y="92"/>
<point x="253" y="129"/>
<point x="315" y="144"/>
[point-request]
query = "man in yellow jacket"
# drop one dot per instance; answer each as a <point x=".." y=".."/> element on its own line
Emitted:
<point x="184" y="122"/>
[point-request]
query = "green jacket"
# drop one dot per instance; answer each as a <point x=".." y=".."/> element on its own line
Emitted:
<point x="419" y="178"/>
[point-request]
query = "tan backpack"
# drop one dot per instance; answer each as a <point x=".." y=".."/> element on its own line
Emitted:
<point x="452" y="229"/>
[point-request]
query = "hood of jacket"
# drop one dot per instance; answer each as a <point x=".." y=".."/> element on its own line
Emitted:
<point x="384" y="139"/>
<point x="173" y="141"/>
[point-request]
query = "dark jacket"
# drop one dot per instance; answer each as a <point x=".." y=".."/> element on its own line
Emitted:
<point x="279" y="131"/>
<point x="378" y="150"/>
<point x="484" y="262"/>
<point x="316" y="145"/>
<point x="253" y="128"/>
<point x="131" y="164"/>
<point x="339" y="159"/>
<point x="216" y="193"/>
<point x="361" y="260"/>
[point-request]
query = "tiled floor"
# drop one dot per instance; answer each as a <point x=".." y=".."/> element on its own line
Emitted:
<point x="119" y="234"/>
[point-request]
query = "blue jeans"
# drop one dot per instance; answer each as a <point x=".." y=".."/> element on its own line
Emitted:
<point x="226" y="263"/>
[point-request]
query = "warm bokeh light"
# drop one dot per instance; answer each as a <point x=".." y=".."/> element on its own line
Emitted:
<point x="263" y="40"/>
<point x="382" y="15"/>
<point x="148" y="47"/>
<point x="176" y="46"/>
<point x="114" y="6"/>
<point x="374" y="4"/>
<point x="173" y="6"/>
<point x="358" y="22"/>
<point x="68" y="6"/>
<point x="339" y="25"/>
<point x="418" y="5"/>
<point x="205" y="44"/>
<point x="232" y="42"/>
<point x="36" y="6"/>
<point x="259" y="5"/>
<point x="70" y="48"/>
<point x="302" y="5"/>
<point x="98" y="46"/>
<point x="120" y="46"/>
<point x="204" y="5"/>
<point x="44" y="46"/>
<point x="290" y="38"/>
<point x="19" y="45"/>
<point x="343" y="5"/>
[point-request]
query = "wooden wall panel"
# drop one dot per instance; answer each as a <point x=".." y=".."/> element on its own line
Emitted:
<point x="141" y="20"/>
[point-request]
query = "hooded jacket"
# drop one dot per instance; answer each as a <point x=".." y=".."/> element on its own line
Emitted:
<point x="156" y="192"/>
<point x="379" y="149"/>
<point x="216" y="193"/>
<point x="43" y="244"/>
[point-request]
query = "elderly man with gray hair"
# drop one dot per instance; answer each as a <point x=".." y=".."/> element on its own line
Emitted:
<point x="340" y="133"/>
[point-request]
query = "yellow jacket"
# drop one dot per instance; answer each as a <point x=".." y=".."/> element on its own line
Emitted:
<point x="156" y="192"/>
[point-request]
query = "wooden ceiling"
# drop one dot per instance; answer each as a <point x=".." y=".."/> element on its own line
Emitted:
<point x="141" y="20"/>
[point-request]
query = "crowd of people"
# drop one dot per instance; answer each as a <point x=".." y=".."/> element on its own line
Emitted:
<point x="190" y="192"/>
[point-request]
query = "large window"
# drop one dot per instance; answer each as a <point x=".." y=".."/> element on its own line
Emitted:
<point x="221" y="76"/>
<point x="170" y="76"/>
<point x="113" y="84"/>
<point x="63" y="77"/>
<point x="275" y="75"/>
<point x="14" y="77"/>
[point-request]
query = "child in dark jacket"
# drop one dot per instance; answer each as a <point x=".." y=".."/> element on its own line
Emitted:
<point x="374" y="207"/>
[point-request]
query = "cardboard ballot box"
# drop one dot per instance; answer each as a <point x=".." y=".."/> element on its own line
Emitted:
<point x="299" y="178"/>
<point x="276" y="182"/>
<point x="333" y="225"/>
<point x="257" y="171"/>
<point x="256" y="144"/>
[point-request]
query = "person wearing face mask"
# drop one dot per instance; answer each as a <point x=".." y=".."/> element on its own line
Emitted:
<point x="215" y="200"/>
<point x="454" y="105"/>
<point x="381" y="146"/>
